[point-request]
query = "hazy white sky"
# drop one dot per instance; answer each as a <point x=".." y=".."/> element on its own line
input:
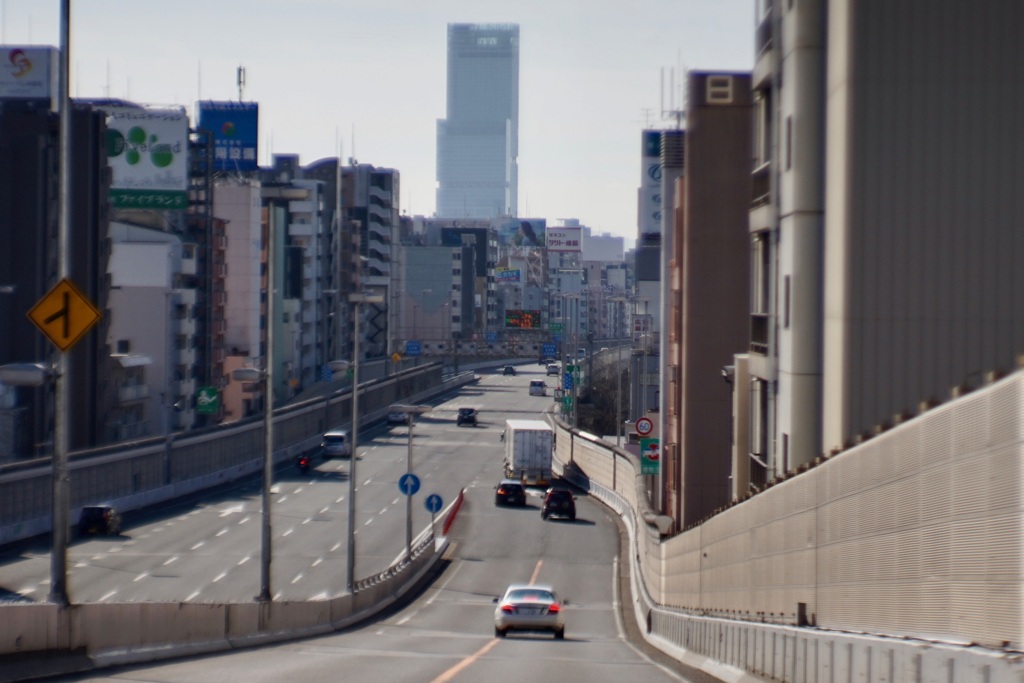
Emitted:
<point x="370" y="76"/>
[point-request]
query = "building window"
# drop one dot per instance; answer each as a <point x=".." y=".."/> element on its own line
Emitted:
<point x="785" y="303"/>
<point x="789" y="142"/>
<point x="719" y="90"/>
<point x="759" y="281"/>
<point x="124" y="346"/>
<point x="762" y="127"/>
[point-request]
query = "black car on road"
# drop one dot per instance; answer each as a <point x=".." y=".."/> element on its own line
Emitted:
<point x="509" y="492"/>
<point x="508" y="370"/>
<point x="559" y="503"/>
<point x="466" y="416"/>
<point x="103" y="520"/>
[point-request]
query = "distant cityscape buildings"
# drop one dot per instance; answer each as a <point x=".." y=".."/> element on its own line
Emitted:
<point x="478" y="140"/>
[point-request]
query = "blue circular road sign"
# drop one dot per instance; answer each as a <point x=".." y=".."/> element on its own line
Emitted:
<point x="409" y="484"/>
<point x="434" y="503"/>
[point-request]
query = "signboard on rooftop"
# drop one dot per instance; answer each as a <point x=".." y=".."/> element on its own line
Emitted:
<point x="235" y="130"/>
<point x="147" y="151"/>
<point x="29" y="73"/>
<point x="564" y="239"/>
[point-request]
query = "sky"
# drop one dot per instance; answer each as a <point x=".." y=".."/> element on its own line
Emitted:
<point x="366" y="79"/>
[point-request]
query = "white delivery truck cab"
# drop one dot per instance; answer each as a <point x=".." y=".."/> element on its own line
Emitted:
<point x="528" y="447"/>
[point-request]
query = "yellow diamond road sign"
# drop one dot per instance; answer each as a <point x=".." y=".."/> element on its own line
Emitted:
<point x="395" y="358"/>
<point x="64" y="314"/>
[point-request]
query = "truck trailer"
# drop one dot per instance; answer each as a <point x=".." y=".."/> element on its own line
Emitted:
<point x="528" y="447"/>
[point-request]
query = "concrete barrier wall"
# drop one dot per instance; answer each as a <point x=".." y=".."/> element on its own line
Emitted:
<point x="109" y="633"/>
<point x="912" y="537"/>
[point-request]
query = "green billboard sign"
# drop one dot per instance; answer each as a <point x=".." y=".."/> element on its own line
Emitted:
<point x="207" y="401"/>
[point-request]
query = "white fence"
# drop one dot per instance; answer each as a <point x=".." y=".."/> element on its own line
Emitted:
<point x="898" y="560"/>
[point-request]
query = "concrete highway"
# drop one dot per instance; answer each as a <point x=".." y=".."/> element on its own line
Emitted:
<point x="208" y="551"/>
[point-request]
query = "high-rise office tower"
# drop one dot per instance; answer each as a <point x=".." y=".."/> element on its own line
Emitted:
<point x="478" y="142"/>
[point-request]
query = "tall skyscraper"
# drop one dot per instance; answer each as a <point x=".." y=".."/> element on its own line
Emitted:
<point x="478" y="142"/>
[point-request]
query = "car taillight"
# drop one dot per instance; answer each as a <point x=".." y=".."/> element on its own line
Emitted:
<point x="508" y="609"/>
<point x="502" y="491"/>
<point x="554" y="608"/>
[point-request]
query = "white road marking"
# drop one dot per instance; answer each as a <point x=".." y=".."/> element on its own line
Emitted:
<point x="108" y="596"/>
<point x="307" y="520"/>
<point x="367" y="482"/>
<point x="297" y="579"/>
<point x="197" y="546"/>
<point x="219" y="576"/>
<point x="282" y="499"/>
<point x="324" y="509"/>
<point x="244" y="519"/>
<point x="335" y="546"/>
<point x="340" y="499"/>
<point x="140" y="577"/>
<point x="298" y="490"/>
<point x="173" y="559"/>
<point x="114" y="550"/>
<point x="317" y="561"/>
<point x="244" y="560"/>
<point x="367" y="522"/>
<point x="193" y="595"/>
<point x="222" y="532"/>
<point x="383" y="510"/>
<point x="287" y="533"/>
<point x="395" y="501"/>
<point x="234" y="509"/>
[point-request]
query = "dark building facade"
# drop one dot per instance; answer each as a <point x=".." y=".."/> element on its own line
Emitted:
<point x="29" y="186"/>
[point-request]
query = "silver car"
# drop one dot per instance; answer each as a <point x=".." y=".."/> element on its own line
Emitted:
<point x="529" y="608"/>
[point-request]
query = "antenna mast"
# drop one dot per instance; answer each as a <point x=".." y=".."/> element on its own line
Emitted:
<point x="241" y="82"/>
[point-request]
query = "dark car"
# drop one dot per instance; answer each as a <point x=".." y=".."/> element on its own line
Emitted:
<point x="103" y="520"/>
<point x="509" y="492"/>
<point x="559" y="503"/>
<point x="508" y="370"/>
<point x="466" y="416"/>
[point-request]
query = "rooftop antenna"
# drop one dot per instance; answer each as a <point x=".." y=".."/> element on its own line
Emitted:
<point x="241" y="82"/>
<point x="674" y="86"/>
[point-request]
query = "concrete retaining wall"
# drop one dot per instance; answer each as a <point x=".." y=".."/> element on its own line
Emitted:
<point x="727" y="595"/>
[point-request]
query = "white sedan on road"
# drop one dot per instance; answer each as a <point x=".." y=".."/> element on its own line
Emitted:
<point x="529" y="608"/>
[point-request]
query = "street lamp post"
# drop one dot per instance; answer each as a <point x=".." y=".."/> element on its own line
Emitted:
<point x="255" y="375"/>
<point x="356" y="299"/>
<point x="410" y="413"/>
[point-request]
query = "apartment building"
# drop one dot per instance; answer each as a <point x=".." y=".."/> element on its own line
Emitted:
<point x="884" y="227"/>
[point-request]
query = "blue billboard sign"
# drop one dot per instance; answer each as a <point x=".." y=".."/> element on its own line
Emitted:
<point x="550" y="350"/>
<point x="235" y="129"/>
<point x="413" y="348"/>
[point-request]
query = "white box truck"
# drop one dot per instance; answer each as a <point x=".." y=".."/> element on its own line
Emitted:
<point x="528" y="446"/>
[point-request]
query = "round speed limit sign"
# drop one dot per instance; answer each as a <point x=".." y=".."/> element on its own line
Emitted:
<point x="644" y="426"/>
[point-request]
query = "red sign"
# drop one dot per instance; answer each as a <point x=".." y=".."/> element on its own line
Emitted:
<point x="644" y="426"/>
